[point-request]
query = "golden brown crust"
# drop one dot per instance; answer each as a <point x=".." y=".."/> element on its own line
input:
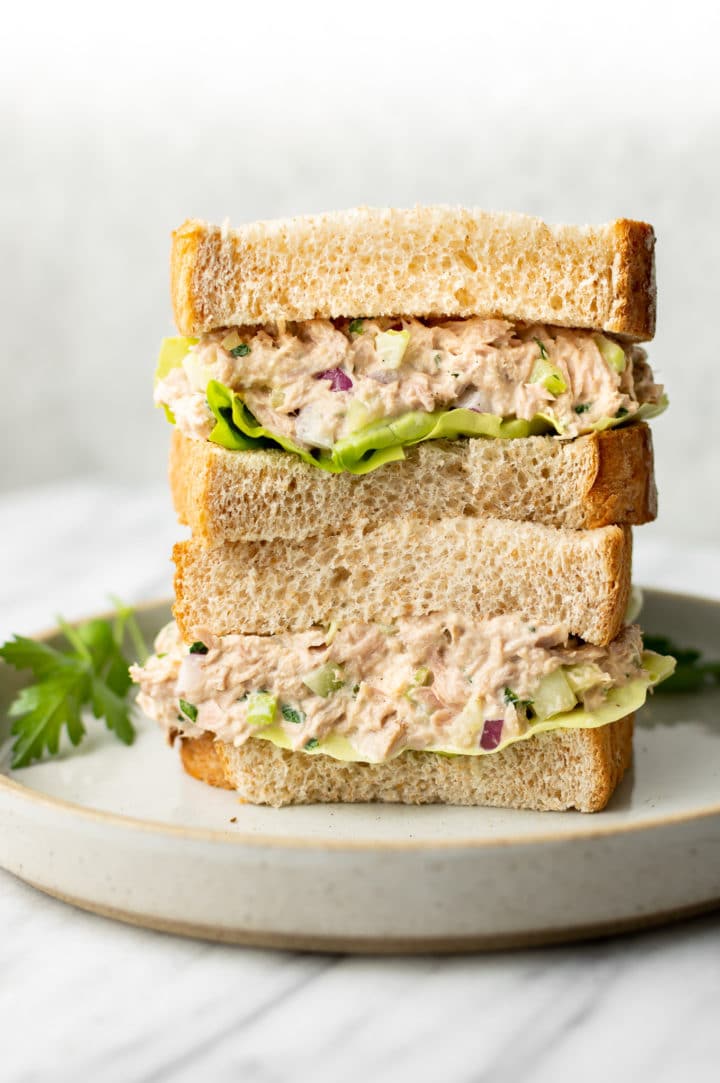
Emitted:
<point x="635" y="290"/>
<point x="187" y="242"/>
<point x="199" y="756"/>
<point x="190" y="473"/>
<point x="558" y="770"/>
<point x="618" y="559"/>
<point x="611" y="750"/>
<point x="623" y="486"/>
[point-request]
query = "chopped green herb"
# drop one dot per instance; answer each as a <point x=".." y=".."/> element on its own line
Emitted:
<point x="622" y="412"/>
<point x="241" y="351"/>
<point x="511" y="697"/>
<point x="543" y="351"/>
<point x="189" y="709"/>
<point x="692" y="673"/>
<point x="198" y="648"/>
<point x="582" y="407"/>
<point x="91" y="672"/>
<point x="456" y="375"/>
<point x="292" y="714"/>
<point x="356" y="327"/>
<point x="355" y="689"/>
<point x="312" y="743"/>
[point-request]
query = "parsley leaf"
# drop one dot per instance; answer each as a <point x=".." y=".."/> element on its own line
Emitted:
<point x="189" y="710"/>
<point x="198" y="648"/>
<point x="92" y="672"/>
<point x="692" y="674"/>
<point x="543" y="351"/>
<point x="582" y="407"/>
<point x="512" y="697"/>
<point x="240" y="351"/>
<point x="292" y="714"/>
<point x="312" y="743"/>
<point x="356" y="327"/>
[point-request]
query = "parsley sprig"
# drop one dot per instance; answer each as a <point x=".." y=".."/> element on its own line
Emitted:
<point x="92" y="672"/>
<point x="692" y="672"/>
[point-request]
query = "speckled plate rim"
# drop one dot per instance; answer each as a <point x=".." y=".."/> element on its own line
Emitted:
<point x="594" y="830"/>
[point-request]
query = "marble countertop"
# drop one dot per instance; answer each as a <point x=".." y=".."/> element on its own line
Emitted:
<point x="84" y="998"/>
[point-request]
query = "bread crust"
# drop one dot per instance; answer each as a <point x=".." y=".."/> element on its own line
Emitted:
<point x="635" y="289"/>
<point x="623" y="484"/>
<point x="594" y="481"/>
<point x="554" y="771"/>
<point x="201" y="759"/>
<point x="423" y="261"/>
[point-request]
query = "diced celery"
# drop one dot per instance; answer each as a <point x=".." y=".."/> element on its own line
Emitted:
<point x="422" y="676"/>
<point x="231" y="340"/>
<point x="582" y="677"/>
<point x="613" y="354"/>
<point x="549" y="376"/>
<point x="172" y="352"/>
<point x="391" y="346"/>
<point x="261" y="708"/>
<point x="357" y="416"/>
<point x="553" y="695"/>
<point x="324" y="680"/>
<point x="198" y="375"/>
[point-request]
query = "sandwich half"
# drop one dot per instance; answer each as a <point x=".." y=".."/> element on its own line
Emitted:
<point x="427" y="709"/>
<point x="416" y="663"/>
<point x="435" y="343"/>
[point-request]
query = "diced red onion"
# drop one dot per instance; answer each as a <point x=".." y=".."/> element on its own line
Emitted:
<point x="472" y="399"/>
<point x="491" y="734"/>
<point x="339" y="380"/>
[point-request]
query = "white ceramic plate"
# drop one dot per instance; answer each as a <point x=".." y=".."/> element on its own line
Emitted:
<point x="124" y="832"/>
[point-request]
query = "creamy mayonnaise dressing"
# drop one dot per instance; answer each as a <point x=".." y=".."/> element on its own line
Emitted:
<point x="424" y="681"/>
<point x="484" y="365"/>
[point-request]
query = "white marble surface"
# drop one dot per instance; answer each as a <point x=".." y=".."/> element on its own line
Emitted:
<point x="83" y="998"/>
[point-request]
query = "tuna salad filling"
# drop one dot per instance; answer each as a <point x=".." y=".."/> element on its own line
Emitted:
<point x="349" y="394"/>
<point x="367" y="692"/>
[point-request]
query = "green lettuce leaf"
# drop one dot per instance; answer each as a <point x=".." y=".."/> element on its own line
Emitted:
<point x="618" y="703"/>
<point x="376" y="444"/>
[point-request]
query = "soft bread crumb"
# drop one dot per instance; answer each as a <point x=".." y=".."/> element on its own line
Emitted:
<point x="425" y="261"/>
<point x="480" y="567"/>
<point x="592" y="481"/>
<point x="554" y="771"/>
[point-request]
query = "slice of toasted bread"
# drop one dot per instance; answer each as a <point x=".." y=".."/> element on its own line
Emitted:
<point x="554" y="771"/>
<point x="480" y="567"/>
<point x="426" y="261"/>
<point x="593" y="481"/>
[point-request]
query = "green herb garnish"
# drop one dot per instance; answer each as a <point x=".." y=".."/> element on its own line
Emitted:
<point x="356" y="327"/>
<point x="622" y="412"/>
<point x="692" y="674"/>
<point x="582" y="407"/>
<point x="543" y="351"/>
<point x="198" y="648"/>
<point x="312" y="743"/>
<point x="189" y="710"/>
<point x="240" y="351"/>
<point x="292" y="714"/>
<point x="92" y="672"/>
<point x="511" y="697"/>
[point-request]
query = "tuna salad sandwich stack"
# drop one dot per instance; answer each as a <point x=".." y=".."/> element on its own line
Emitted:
<point x="410" y="446"/>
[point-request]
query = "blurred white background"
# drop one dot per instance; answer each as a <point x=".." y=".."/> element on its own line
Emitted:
<point x="117" y="122"/>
